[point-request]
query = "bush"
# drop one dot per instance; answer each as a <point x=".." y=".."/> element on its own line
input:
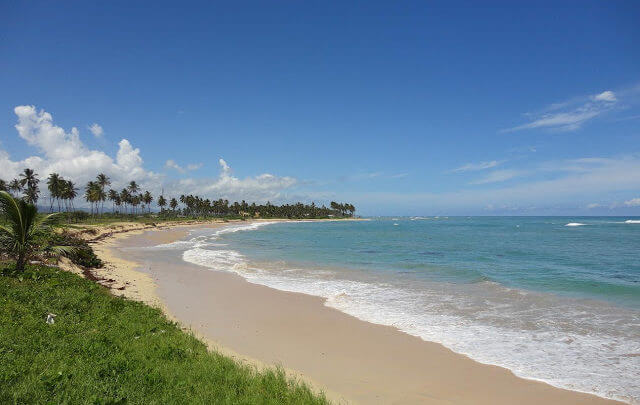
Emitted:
<point x="82" y="254"/>
<point x="74" y="216"/>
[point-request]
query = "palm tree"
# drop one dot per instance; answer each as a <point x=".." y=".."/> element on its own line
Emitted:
<point x="161" y="203"/>
<point x="22" y="227"/>
<point x="30" y="180"/>
<point x="125" y="196"/>
<point x="173" y="204"/>
<point x="69" y="192"/>
<point x="15" y="187"/>
<point x="3" y="185"/>
<point x="133" y="187"/>
<point x="54" y="181"/>
<point x="135" y="201"/>
<point x="103" y="181"/>
<point x="147" y="199"/>
<point x="113" y="196"/>
<point x="118" y="201"/>
<point x="93" y="194"/>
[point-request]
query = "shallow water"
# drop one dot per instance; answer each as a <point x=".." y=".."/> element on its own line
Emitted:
<point x="554" y="299"/>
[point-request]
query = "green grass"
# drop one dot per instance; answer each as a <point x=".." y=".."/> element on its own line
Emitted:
<point x="107" y="350"/>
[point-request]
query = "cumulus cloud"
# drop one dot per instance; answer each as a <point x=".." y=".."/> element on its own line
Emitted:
<point x="634" y="202"/>
<point x="96" y="130"/>
<point x="576" y="113"/>
<point x="64" y="152"/>
<point x="257" y="188"/>
<point x="593" y="205"/>
<point x="472" y="167"/>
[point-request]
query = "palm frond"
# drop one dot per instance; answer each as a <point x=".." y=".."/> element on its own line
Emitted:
<point x="62" y="250"/>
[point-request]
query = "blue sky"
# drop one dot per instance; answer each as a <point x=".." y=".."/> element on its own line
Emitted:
<point x="419" y="108"/>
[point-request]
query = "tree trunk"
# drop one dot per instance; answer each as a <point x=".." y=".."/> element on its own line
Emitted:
<point x="20" y="262"/>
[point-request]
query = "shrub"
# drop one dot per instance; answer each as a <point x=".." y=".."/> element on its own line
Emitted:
<point x="82" y="254"/>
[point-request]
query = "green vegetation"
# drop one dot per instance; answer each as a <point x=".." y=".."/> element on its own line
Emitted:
<point x="80" y="254"/>
<point x="23" y="230"/>
<point x="126" y="202"/>
<point x="104" y="349"/>
<point x="66" y="339"/>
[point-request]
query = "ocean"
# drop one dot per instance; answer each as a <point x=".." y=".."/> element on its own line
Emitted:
<point x="555" y="299"/>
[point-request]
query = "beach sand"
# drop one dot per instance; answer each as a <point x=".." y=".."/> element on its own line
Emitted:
<point x="352" y="361"/>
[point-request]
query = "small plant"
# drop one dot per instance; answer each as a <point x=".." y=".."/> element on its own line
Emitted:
<point x="81" y="254"/>
<point x="23" y="230"/>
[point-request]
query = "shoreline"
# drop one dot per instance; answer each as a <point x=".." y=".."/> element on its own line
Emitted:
<point x="408" y="374"/>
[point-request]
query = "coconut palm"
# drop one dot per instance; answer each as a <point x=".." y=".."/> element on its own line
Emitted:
<point x="125" y="196"/>
<point x="22" y="227"/>
<point x="93" y="194"/>
<point x="113" y="196"/>
<point x="162" y="203"/>
<point x="134" y="200"/>
<point x="118" y="202"/>
<point x="133" y="187"/>
<point x="147" y="199"/>
<point x="15" y="187"/>
<point x="30" y="179"/>
<point x="103" y="181"/>
<point x="69" y="192"/>
<point x="54" y="181"/>
<point x="173" y="204"/>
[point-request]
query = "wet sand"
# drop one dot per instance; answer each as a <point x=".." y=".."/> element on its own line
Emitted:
<point x="351" y="360"/>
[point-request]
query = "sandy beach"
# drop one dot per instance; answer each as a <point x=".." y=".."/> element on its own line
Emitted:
<point x="352" y="361"/>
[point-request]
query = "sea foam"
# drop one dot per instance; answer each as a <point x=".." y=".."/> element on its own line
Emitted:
<point x="587" y="349"/>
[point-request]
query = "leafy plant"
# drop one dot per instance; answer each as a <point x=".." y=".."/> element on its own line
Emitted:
<point x="81" y="254"/>
<point x="23" y="229"/>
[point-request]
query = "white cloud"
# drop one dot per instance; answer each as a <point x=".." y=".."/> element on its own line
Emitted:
<point x="605" y="96"/>
<point x="96" y="130"/>
<point x="577" y="113"/>
<point x="593" y="205"/>
<point x="225" y="167"/>
<point x="64" y="153"/>
<point x="634" y="202"/>
<point x="172" y="164"/>
<point x="498" y="176"/>
<point x="472" y="167"/>
<point x="575" y="183"/>
<point x="257" y="188"/>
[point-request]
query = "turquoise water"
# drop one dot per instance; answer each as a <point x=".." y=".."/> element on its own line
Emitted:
<point x="599" y="260"/>
<point x="553" y="299"/>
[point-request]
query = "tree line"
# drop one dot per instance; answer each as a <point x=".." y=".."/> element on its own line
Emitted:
<point x="131" y="200"/>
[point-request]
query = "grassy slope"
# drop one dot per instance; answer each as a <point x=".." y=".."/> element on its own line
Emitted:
<point x="104" y="349"/>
